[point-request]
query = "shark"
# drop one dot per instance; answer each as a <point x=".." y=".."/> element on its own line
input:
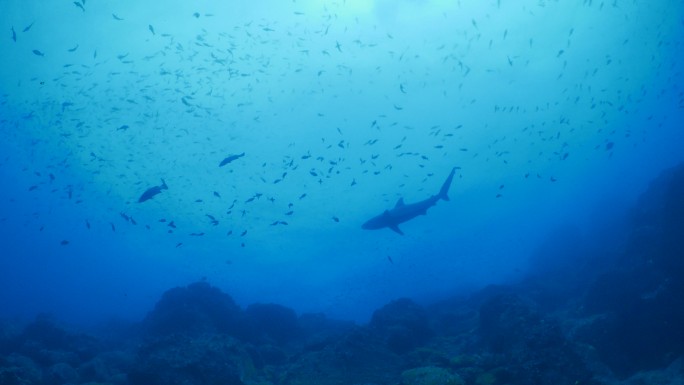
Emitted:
<point x="402" y="212"/>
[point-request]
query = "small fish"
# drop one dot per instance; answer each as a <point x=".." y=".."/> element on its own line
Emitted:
<point x="230" y="158"/>
<point x="27" y="28"/>
<point x="38" y="53"/>
<point x="196" y="14"/>
<point x="212" y="219"/>
<point x="64" y="242"/>
<point x="73" y="49"/>
<point x="76" y="3"/>
<point x="609" y="146"/>
<point x="152" y="191"/>
<point x="14" y="35"/>
<point x="336" y="219"/>
<point x="116" y="17"/>
<point x="390" y="259"/>
<point x="151" y="28"/>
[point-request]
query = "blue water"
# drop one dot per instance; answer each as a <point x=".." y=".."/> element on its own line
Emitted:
<point x="556" y="113"/>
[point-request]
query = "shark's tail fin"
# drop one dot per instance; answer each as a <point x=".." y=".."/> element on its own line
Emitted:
<point x="164" y="186"/>
<point x="444" y="191"/>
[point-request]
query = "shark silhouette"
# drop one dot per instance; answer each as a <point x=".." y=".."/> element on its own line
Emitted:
<point x="403" y="212"/>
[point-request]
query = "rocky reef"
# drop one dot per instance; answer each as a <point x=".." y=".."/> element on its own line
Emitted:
<point x="610" y="315"/>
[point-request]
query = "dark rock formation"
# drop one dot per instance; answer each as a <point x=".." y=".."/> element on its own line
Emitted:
<point x="357" y="357"/>
<point x="181" y="359"/>
<point x="402" y="324"/>
<point x="528" y="347"/>
<point x="193" y="310"/>
<point x="638" y="307"/>
<point x="270" y="323"/>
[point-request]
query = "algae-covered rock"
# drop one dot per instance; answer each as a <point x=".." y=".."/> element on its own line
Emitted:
<point x="358" y="357"/>
<point x="182" y="360"/>
<point x="194" y="310"/>
<point x="430" y="375"/>
<point x="19" y="370"/>
<point x="59" y="374"/>
<point x="403" y="324"/>
<point x="270" y="323"/>
<point x="464" y="360"/>
<point x="486" y="378"/>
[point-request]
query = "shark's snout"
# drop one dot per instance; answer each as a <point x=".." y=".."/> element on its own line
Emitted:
<point x="371" y="224"/>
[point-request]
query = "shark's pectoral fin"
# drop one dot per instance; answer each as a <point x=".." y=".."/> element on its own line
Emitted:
<point x="396" y="229"/>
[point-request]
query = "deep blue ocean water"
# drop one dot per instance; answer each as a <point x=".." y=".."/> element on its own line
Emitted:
<point x="555" y="113"/>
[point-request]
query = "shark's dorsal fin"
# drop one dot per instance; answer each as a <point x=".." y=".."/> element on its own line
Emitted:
<point x="396" y="229"/>
<point x="400" y="203"/>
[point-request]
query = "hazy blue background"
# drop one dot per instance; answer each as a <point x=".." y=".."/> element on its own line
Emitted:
<point x="566" y="109"/>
